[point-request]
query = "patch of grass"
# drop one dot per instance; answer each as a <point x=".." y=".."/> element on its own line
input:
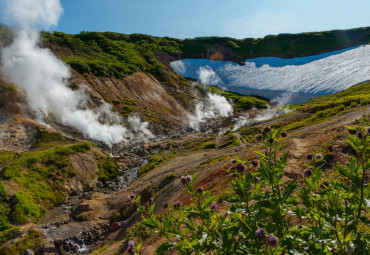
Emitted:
<point x="39" y="175"/>
<point x="108" y="170"/>
<point x="248" y="133"/>
<point x="154" y="162"/>
<point x="32" y="241"/>
<point x="230" y="141"/>
<point x="98" y="251"/>
<point x="24" y="208"/>
<point x="323" y="108"/>
<point x="46" y="140"/>
<point x="7" y="235"/>
<point x="240" y="102"/>
<point x="5" y="156"/>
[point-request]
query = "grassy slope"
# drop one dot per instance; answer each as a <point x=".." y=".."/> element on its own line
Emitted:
<point x="323" y="108"/>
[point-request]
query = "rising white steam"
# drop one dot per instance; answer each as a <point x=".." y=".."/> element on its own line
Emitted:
<point x="269" y="113"/>
<point x="44" y="78"/>
<point x="207" y="76"/>
<point x="215" y="106"/>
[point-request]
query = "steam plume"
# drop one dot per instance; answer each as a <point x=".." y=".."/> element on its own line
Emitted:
<point x="44" y="78"/>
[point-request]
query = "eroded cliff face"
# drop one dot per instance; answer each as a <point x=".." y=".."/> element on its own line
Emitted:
<point x="164" y="105"/>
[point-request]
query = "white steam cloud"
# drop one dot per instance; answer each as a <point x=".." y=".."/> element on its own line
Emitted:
<point x="44" y="78"/>
<point x="207" y="76"/>
<point x="215" y="106"/>
<point x="269" y="113"/>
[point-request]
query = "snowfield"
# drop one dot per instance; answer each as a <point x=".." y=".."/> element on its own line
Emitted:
<point x="286" y="80"/>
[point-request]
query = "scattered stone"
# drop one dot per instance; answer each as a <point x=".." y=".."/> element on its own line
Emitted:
<point x="28" y="252"/>
<point x="16" y="233"/>
<point x="84" y="207"/>
<point x="48" y="247"/>
<point x="99" y="185"/>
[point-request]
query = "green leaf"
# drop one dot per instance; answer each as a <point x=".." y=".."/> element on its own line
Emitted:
<point x="289" y="189"/>
<point x="149" y="223"/>
<point x="163" y="248"/>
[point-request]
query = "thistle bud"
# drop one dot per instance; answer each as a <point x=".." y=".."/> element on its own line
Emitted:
<point x="318" y="156"/>
<point x="240" y="167"/>
<point x="188" y="178"/>
<point x="258" y="138"/>
<point x="165" y="205"/>
<point x="272" y="241"/>
<point x="260" y="232"/>
<point x="214" y="206"/>
<point x="271" y="140"/>
<point x="309" y="156"/>
<point x="265" y="130"/>
<point x="307" y="173"/>
<point x="255" y="163"/>
<point x="200" y="189"/>
<point x="284" y="134"/>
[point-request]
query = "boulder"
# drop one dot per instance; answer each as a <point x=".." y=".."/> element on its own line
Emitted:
<point x="28" y="252"/>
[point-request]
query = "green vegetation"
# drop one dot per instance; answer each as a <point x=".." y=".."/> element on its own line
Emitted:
<point x="282" y="45"/>
<point x="240" y="102"/>
<point x="5" y="156"/>
<point x="155" y="161"/>
<point x="265" y="215"/>
<point x="46" y="139"/>
<point x="323" y="108"/>
<point x="230" y="141"/>
<point x="108" y="170"/>
<point x="37" y="175"/>
<point x="112" y="54"/>
<point x="32" y="241"/>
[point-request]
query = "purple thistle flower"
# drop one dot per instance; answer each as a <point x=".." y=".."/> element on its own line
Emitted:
<point x="233" y="161"/>
<point x="271" y="140"/>
<point x="183" y="180"/>
<point x="307" y="173"/>
<point x="214" y="206"/>
<point x="131" y="243"/>
<point x="284" y="134"/>
<point x="258" y="138"/>
<point x="309" y="156"/>
<point x="232" y="168"/>
<point x="200" y="189"/>
<point x="188" y="178"/>
<point x="272" y="241"/>
<point x="318" y="156"/>
<point x="255" y="163"/>
<point x="260" y="232"/>
<point x="240" y="167"/>
<point x="265" y="130"/>
<point x="151" y="200"/>
<point x="165" y="205"/>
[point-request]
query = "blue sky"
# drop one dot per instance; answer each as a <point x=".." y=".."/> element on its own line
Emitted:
<point x="192" y="18"/>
